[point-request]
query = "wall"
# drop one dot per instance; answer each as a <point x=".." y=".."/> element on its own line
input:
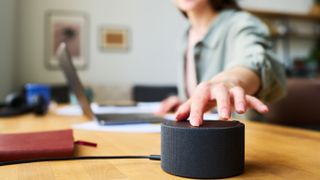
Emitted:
<point x="155" y="27"/>
<point x="7" y="39"/>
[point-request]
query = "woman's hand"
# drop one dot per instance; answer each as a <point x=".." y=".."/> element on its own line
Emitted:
<point x="225" y="96"/>
<point x="169" y="104"/>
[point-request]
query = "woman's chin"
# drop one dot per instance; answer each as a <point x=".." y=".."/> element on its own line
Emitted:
<point x="187" y="8"/>
<point x="190" y="6"/>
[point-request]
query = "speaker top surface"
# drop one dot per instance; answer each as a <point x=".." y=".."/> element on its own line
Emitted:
<point x="206" y="125"/>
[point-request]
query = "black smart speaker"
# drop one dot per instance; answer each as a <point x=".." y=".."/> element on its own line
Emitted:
<point x="213" y="150"/>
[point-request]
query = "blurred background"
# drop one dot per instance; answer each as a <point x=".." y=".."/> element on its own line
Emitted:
<point x="128" y="44"/>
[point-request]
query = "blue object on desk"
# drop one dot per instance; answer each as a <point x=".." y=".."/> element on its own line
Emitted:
<point x="33" y="90"/>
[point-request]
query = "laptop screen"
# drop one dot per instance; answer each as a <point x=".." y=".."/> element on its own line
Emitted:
<point x="65" y="62"/>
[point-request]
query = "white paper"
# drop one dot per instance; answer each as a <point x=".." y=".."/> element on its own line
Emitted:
<point x="69" y="111"/>
<point x="132" y="128"/>
<point x="75" y="110"/>
<point x="140" y="108"/>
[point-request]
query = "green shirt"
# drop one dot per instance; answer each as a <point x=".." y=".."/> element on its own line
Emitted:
<point x="236" y="38"/>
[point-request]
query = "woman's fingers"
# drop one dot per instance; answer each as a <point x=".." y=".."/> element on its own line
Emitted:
<point x="199" y="102"/>
<point x="221" y="93"/>
<point x="211" y="104"/>
<point x="183" y="111"/>
<point x="256" y="104"/>
<point x="168" y="105"/>
<point x="207" y="96"/>
<point x="239" y="100"/>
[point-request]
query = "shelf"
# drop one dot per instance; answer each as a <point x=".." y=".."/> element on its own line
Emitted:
<point x="266" y="16"/>
<point x="296" y="35"/>
<point x="265" y="13"/>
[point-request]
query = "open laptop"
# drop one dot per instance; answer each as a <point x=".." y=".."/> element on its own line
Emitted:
<point x="76" y="86"/>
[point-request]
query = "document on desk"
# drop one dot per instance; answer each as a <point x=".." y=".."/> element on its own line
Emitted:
<point x="75" y="110"/>
<point x="132" y="128"/>
<point x="140" y="108"/>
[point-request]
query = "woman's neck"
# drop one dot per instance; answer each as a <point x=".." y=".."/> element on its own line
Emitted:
<point x="201" y="19"/>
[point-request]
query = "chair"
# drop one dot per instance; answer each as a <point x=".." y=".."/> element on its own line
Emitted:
<point x="301" y="106"/>
<point x="144" y="93"/>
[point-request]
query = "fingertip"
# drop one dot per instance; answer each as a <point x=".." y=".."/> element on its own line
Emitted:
<point x="257" y="104"/>
<point x="241" y="108"/>
<point x="181" y="115"/>
<point x="241" y="111"/>
<point x="223" y="118"/>
<point x="224" y="114"/>
<point x="178" y="116"/>
<point x="194" y="123"/>
<point x="265" y="109"/>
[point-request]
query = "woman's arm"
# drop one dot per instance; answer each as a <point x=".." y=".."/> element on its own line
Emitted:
<point x="232" y="88"/>
<point x="251" y="71"/>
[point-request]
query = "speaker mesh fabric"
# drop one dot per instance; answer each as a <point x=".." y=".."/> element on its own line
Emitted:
<point x="214" y="150"/>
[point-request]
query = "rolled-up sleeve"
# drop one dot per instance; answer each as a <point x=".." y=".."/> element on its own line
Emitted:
<point x="250" y="47"/>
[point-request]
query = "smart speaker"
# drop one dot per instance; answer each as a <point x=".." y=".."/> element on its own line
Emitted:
<point x="213" y="150"/>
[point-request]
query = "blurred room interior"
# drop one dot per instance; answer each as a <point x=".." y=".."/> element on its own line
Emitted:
<point x="129" y="48"/>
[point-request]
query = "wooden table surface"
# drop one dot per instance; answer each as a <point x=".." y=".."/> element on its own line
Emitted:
<point x="272" y="152"/>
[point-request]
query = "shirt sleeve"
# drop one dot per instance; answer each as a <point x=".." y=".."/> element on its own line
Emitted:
<point x="249" y="44"/>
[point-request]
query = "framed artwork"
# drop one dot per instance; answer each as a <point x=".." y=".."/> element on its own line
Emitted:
<point x="71" y="28"/>
<point x="114" y="38"/>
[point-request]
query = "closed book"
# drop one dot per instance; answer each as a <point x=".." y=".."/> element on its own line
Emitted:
<point x="26" y="146"/>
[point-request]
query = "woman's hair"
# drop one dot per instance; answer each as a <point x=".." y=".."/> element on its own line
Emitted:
<point x="219" y="5"/>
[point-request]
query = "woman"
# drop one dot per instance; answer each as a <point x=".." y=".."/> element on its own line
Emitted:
<point x="226" y="63"/>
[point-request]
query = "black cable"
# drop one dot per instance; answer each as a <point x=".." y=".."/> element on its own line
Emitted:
<point x="151" y="157"/>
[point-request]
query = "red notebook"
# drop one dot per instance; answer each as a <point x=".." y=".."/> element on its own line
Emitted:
<point x="27" y="146"/>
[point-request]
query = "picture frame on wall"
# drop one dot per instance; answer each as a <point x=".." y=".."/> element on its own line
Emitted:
<point x="114" y="38"/>
<point x="72" y="28"/>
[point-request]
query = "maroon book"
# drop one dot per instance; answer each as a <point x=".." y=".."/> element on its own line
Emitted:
<point x="25" y="146"/>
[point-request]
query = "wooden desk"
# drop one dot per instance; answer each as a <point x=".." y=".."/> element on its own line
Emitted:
<point x="272" y="152"/>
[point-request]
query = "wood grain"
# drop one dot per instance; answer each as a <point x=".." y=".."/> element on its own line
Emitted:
<point x="272" y="152"/>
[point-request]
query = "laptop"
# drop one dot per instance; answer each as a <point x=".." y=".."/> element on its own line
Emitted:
<point x="65" y="62"/>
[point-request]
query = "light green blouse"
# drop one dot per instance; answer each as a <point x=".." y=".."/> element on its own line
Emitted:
<point x="236" y="38"/>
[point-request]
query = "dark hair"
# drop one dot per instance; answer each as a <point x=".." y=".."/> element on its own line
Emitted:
<point x="219" y="5"/>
